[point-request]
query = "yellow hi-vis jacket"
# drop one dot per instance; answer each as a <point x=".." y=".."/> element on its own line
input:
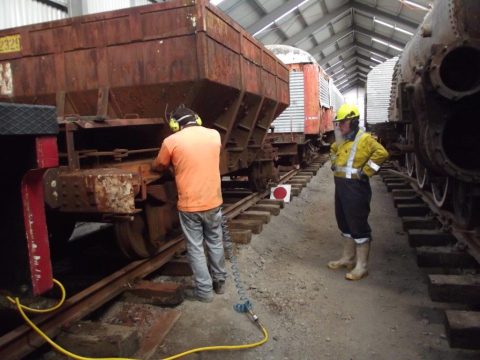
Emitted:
<point x="363" y="154"/>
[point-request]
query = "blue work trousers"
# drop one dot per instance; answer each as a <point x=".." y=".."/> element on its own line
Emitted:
<point x="352" y="207"/>
<point x="204" y="228"/>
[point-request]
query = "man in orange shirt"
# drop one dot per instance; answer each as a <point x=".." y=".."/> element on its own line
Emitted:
<point x="194" y="152"/>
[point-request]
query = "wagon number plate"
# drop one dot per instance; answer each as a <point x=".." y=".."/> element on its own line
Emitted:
<point x="10" y="43"/>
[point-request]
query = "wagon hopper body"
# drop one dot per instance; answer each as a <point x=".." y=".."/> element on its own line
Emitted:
<point x="113" y="78"/>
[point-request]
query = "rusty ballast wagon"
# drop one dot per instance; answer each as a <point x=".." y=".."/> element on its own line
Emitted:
<point x="113" y="78"/>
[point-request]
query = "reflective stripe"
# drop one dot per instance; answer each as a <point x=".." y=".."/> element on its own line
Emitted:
<point x="361" y="241"/>
<point x="344" y="169"/>
<point x="341" y="174"/>
<point x="374" y="166"/>
<point x="349" y="170"/>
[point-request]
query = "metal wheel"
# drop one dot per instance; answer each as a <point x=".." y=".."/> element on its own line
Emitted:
<point x="440" y="187"/>
<point x="133" y="240"/>
<point x="421" y="172"/>
<point x="466" y="205"/>
<point x="409" y="157"/>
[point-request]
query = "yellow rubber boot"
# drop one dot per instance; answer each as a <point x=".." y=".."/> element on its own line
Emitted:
<point x="361" y="268"/>
<point x="348" y="257"/>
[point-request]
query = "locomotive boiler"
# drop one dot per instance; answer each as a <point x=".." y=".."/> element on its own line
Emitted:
<point x="436" y="92"/>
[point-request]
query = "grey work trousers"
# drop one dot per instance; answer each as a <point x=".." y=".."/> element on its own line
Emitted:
<point x="352" y="207"/>
<point x="204" y="227"/>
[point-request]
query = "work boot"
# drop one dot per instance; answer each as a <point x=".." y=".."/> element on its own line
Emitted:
<point x="219" y="287"/>
<point x="348" y="256"/>
<point x="192" y="295"/>
<point x="360" y="270"/>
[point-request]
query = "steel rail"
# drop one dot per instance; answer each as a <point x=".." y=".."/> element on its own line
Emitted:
<point x="23" y="340"/>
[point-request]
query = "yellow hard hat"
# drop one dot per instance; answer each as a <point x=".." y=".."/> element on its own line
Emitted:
<point x="347" y="112"/>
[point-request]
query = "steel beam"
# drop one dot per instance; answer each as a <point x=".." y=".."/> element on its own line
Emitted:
<point x="348" y="70"/>
<point x="372" y="34"/>
<point x="317" y="25"/>
<point x="272" y="16"/>
<point x="370" y="49"/>
<point x="353" y="85"/>
<point x="330" y="41"/>
<point x="59" y="5"/>
<point x="353" y="72"/>
<point x="339" y="52"/>
<point x="356" y="56"/>
<point x="382" y="15"/>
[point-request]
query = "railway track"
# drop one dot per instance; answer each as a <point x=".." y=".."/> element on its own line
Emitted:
<point x="448" y="254"/>
<point x="23" y="340"/>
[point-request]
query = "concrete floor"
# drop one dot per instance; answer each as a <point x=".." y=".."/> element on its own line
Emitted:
<point x="311" y="311"/>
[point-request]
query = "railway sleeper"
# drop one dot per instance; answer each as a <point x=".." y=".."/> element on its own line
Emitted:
<point x="406" y="200"/>
<point x="398" y="186"/>
<point x="420" y="223"/>
<point x="280" y="203"/>
<point x="390" y="178"/>
<point x="444" y="257"/>
<point x="299" y="182"/>
<point x="296" y="190"/>
<point x="263" y="216"/>
<point x="177" y="267"/>
<point x="241" y="236"/>
<point x="404" y="192"/>
<point x="306" y="173"/>
<point x="97" y="339"/>
<point x="272" y="209"/>
<point x="255" y="226"/>
<point x="463" y="328"/>
<point x="462" y="289"/>
<point x="422" y="237"/>
<point x="421" y="209"/>
<point x="159" y="294"/>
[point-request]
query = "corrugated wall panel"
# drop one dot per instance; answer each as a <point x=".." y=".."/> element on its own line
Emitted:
<point x="379" y="84"/>
<point x="293" y="118"/>
<point x="336" y="97"/>
<point x="324" y="92"/>
<point x="15" y="13"/>
<point x="95" y="6"/>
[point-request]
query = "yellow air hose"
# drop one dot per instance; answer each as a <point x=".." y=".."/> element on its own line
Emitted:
<point x="22" y="308"/>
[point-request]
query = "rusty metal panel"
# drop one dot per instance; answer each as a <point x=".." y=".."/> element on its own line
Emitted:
<point x="251" y="50"/>
<point x="252" y="76"/>
<point x="222" y="32"/>
<point x="140" y="62"/>
<point x="168" y="23"/>
<point x="108" y="191"/>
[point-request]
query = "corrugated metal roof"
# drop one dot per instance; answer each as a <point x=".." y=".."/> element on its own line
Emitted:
<point x="332" y="30"/>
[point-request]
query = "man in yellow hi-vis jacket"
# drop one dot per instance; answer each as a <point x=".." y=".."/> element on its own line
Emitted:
<point x="355" y="156"/>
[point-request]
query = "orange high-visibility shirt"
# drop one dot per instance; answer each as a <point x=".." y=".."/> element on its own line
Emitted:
<point x="195" y="154"/>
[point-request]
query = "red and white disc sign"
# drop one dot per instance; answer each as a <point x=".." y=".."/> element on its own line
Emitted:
<point x="281" y="192"/>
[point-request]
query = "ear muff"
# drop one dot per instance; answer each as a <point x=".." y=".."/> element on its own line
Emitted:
<point x="198" y="120"/>
<point x="173" y="124"/>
